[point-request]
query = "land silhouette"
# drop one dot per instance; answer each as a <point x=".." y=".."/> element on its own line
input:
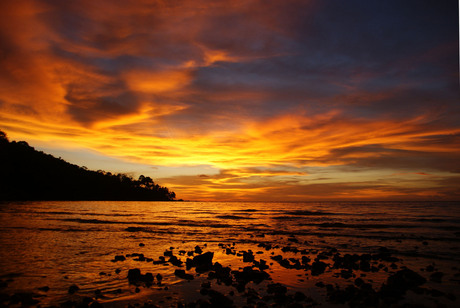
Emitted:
<point x="28" y="174"/>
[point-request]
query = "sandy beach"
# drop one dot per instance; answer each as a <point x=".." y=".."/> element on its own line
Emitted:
<point x="241" y="260"/>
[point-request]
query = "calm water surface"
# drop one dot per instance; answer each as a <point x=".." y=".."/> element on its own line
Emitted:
<point x="57" y="244"/>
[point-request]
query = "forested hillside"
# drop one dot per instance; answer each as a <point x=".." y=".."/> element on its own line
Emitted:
<point x="28" y="174"/>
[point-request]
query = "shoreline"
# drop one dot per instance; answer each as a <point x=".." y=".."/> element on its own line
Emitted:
<point x="257" y="278"/>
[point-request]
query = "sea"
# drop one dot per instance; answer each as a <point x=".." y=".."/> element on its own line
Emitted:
<point x="49" y="246"/>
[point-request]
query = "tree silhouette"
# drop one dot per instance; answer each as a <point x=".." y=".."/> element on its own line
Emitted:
<point x="28" y="174"/>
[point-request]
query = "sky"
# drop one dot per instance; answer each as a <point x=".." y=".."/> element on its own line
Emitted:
<point x="242" y="100"/>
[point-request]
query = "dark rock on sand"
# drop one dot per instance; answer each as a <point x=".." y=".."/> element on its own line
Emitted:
<point x="274" y="288"/>
<point x="436" y="277"/>
<point x="140" y="257"/>
<point x="175" y="261"/>
<point x="147" y="277"/>
<point x="299" y="296"/>
<point x="318" y="267"/>
<point x="119" y="258"/>
<point x="135" y="276"/>
<point x="44" y="289"/>
<point x="168" y="253"/>
<point x="222" y="274"/>
<point x="25" y="299"/>
<point x="219" y="300"/>
<point x="248" y="256"/>
<point x="278" y="291"/>
<point x="359" y="282"/>
<point x="181" y="274"/>
<point x="73" y="288"/>
<point x="398" y="283"/>
<point x="202" y="262"/>
<point x="262" y="264"/>
<point x="365" y="296"/>
<point x="247" y="275"/>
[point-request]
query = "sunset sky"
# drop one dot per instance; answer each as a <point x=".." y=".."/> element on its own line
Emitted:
<point x="242" y="99"/>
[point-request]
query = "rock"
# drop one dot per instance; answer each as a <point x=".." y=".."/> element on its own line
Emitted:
<point x="359" y="282"/>
<point x="248" y="256"/>
<point x="26" y="299"/>
<point x="140" y="257"/>
<point x="364" y="265"/>
<point x="305" y="260"/>
<point x="222" y="274"/>
<point x="147" y="278"/>
<point x="73" y="288"/>
<point x="202" y="262"/>
<point x="436" y="277"/>
<point x="159" y="278"/>
<point x="346" y="274"/>
<point x="134" y="275"/>
<point x="436" y="293"/>
<point x="299" y="296"/>
<point x="168" y="253"/>
<point x="198" y="249"/>
<point x="320" y="284"/>
<point x="175" y="261"/>
<point x="276" y="288"/>
<point x="249" y="274"/>
<point x="141" y="244"/>
<point x="318" y="268"/>
<point x="119" y="258"/>
<point x="181" y="274"/>
<point x="430" y="268"/>
<point x="219" y="300"/>
<point x="398" y="283"/>
<point x="44" y="289"/>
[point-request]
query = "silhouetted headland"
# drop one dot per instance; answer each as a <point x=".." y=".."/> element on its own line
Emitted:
<point x="28" y="174"/>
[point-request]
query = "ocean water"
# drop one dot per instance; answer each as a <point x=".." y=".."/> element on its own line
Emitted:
<point x="58" y="244"/>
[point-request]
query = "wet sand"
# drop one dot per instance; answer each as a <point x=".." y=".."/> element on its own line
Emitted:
<point x="260" y="273"/>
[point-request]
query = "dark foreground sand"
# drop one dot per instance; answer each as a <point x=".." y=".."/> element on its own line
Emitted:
<point x="264" y="274"/>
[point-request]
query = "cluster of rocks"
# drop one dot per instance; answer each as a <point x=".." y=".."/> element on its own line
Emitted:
<point x="350" y="267"/>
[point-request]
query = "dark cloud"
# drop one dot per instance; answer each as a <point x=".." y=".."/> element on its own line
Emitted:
<point x="88" y="107"/>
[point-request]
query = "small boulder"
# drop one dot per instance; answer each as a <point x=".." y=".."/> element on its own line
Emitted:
<point x="73" y="289"/>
